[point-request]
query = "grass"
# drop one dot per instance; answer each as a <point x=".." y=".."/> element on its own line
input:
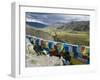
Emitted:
<point x="69" y="36"/>
<point x="75" y="61"/>
<point x="81" y="39"/>
<point x="72" y="37"/>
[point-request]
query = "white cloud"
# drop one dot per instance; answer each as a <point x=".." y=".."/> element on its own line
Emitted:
<point x="35" y="20"/>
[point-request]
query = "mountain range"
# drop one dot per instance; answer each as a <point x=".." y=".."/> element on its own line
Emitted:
<point x="73" y="25"/>
<point x="76" y="26"/>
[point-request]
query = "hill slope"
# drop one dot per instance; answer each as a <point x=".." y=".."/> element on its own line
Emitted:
<point x="76" y="26"/>
<point x="36" y="24"/>
<point x="38" y="33"/>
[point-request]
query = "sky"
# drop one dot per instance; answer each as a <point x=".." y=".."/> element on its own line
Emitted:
<point x="54" y="18"/>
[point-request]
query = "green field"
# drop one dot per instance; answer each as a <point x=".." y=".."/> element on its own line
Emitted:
<point x="71" y="37"/>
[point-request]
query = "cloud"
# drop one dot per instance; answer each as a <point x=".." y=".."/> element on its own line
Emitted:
<point x="51" y="18"/>
<point x="35" y="20"/>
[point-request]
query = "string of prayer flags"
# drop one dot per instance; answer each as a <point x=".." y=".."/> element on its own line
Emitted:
<point x="77" y="50"/>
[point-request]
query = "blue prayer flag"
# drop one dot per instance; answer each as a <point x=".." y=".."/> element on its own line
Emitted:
<point x="66" y="48"/>
<point x="74" y="48"/>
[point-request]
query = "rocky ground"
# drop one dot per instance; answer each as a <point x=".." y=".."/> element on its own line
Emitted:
<point x="42" y="60"/>
<point x="32" y="60"/>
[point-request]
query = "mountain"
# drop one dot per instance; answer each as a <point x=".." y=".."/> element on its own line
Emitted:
<point x="76" y="26"/>
<point x="81" y="26"/>
<point x="36" y="24"/>
<point x="73" y="25"/>
<point x="38" y="33"/>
